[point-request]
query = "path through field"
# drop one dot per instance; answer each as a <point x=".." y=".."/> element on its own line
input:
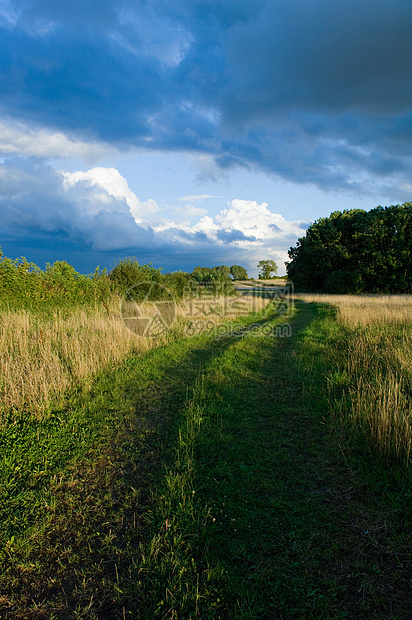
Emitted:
<point x="295" y="531"/>
<point x="221" y="492"/>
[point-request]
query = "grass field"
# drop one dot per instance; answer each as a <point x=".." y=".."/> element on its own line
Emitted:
<point x="245" y="472"/>
<point x="372" y="381"/>
<point x="47" y="356"/>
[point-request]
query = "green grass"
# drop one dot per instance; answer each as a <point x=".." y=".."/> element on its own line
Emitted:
<point x="206" y="479"/>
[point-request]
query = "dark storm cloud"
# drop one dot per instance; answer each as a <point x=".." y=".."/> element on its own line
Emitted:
<point x="323" y="55"/>
<point x="77" y="83"/>
<point x="316" y="91"/>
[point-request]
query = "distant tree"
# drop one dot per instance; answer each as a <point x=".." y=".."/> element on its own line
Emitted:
<point x="214" y="280"/>
<point x="128" y="273"/>
<point x="356" y="251"/>
<point x="205" y="275"/>
<point x="178" y="282"/>
<point x="267" y="268"/>
<point x="221" y="273"/>
<point x="238" y="272"/>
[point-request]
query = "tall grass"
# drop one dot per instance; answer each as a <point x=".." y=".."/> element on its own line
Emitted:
<point x="44" y="356"/>
<point x="355" y="310"/>
<point x="373" y="369"/>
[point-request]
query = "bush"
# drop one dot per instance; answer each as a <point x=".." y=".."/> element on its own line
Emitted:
<point x="128" y="273"/>
<point x="25" y="285"/>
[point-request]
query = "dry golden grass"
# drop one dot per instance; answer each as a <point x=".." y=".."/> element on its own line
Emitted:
<point x="354" y="310"/>
<point x="44" y="358"/>
<point x="377" y="367"/>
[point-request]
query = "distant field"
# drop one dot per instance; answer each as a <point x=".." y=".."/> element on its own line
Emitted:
<point x="237" y="466"/>
<point x="261" y="282"/>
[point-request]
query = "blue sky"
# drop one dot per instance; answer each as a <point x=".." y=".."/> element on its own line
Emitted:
<point x="193" y="132"/>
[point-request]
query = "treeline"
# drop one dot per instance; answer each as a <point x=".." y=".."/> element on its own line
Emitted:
<point x="355" y="252"/>
<point x="128" y="275"/>
<point x="24" y="284"/>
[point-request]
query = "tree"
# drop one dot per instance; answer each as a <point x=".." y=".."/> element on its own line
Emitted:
<point x="267" y="267"/>
<point x="214" y="280"/>
<point x="238" y="272"/>
<point x="178" y="282"/>
<point x="221" y="273"/>
<point x="356" y="251"/>
<point x="128" y="273"/>
<point x="205" y="275"/>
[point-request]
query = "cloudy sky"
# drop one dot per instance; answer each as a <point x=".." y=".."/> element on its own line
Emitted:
<point x="186" y="132"/>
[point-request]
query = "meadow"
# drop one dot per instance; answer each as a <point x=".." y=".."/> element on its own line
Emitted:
<point x="226" y="468"/>
<point x="46" y="356"/>
<point x="372" y="379"/>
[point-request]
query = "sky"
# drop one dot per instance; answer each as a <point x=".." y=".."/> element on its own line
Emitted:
<point x="186" y="132"/>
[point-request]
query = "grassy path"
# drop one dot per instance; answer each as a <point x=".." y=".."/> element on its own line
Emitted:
<point x="294" y="528"/>
<point x="208" y="483"/>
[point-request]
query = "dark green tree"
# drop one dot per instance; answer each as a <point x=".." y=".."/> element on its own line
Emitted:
<point x="177" y="282"/>
<point x="214" y="280"/>
<point x="238" y="272"/>
<point x="356" y="251"/>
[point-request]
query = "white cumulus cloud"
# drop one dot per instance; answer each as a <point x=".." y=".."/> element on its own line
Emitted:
<point x="34" y="197"/>
<point x="256" y="220"/>
<point x="111" y="183"/>
<point x="250" y="228"/>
